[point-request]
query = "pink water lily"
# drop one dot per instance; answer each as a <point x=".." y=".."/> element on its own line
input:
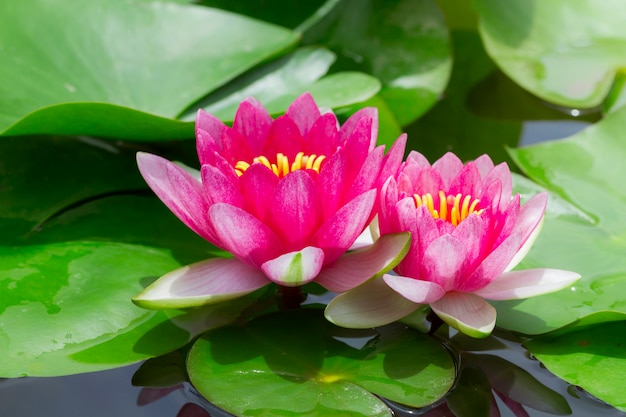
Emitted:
<point x="468" y="233"/>
<point x="287" y="197"/>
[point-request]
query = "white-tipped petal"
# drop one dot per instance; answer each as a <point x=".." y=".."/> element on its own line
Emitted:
<point x="295" y="268"/>
<point x="355" y="268"/>
<point x="370" y="305"/>
<point x="206" y="282"/>
<point x="527" y="283"/>
<point x="468" y="313"/>
<point x="523" y="251"/>
<point x="415" y="290"/>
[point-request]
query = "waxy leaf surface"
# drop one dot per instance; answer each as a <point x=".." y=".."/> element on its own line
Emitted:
<point x="323" y="370"/>
<point x="584" y="230"/>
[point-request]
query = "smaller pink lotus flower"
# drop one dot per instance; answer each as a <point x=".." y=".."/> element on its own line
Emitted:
<point x="468" y="233"/>
<point x="287" y="197"/>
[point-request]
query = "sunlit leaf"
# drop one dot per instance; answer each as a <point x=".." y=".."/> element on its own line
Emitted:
<point x="565" y="52"/>
<point x="584" y="231"/>
<point x="403" y="43"/>
<point x="120" y="68"/>
<point x="593" y="358"/>
<point x="278" y="83"/>
<point x="452" y="125"/>
<point x="322" y="369"/>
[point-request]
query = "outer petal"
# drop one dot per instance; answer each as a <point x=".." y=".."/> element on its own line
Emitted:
<point x="370" y="305"/>
<point x="467" y="313"/>
<point x="340" y="231"/>
<point x="244" y="235"/>
<point x="527" y="283"/>
<point x="415" y="290"/>
<point x="206" y="282"/>
<point x="179" y="190"/>
<point x="295" y="268"/>
<point x="363" y="125"/>
<point x="354" y="268"/>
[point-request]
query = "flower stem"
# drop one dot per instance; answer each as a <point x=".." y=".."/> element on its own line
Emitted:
<point x="290" y="298"/>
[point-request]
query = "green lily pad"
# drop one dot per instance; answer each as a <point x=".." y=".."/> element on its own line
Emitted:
<point x="278" y="83"/>
<point x="566" y="52"/>
<point x="251" y="370"/>
<point x="584" y="230"/>
<point x="116" y="68"/>
<point x="451" y="125"/>
<point x="80" y="237"/>
<point x="404" y="44"/>
<point x="593" y="358"/>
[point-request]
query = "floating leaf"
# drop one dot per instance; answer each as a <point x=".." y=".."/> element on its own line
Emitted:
<point x="109" y="68"/>
<point x="322" y="369"/>
<point x="584" y="231"/>
<point x="593" y="358"/>
<point x="404" y="44"/>
<point x="565" y="52"/>
<point x="280" y="82"/>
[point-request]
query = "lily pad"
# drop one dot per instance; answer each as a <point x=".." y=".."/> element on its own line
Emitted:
<point x="584" y="230"/>
<point x="116" y="68"/>
<point x="593" y="358"/>
<point x="76" y="245"/>
<point x="566" y="52"/>
<point x="451" y="125"/>
<point x="278" y="83"/>
<point x="323" y="370"/>
<point x="403" y="43"/>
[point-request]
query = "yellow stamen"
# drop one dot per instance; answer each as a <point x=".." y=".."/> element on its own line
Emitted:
<point x="282" y="166"/>
<point x="452" y="208"/>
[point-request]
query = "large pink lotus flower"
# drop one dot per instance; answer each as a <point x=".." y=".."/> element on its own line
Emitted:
<point x="287" y="197"/>
<point x="468" y="232"/>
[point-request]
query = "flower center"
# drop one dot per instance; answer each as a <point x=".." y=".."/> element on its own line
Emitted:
<point x="282" y="166"/>
<point x="452" y="208"/>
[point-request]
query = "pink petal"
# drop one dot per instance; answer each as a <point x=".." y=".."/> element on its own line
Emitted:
<point x="244" y="235"/>
<point x="295" y="268"/>
<point x="448" y="166"/>
<point x="331" y="184"/>
<point x="206" y="282"/>
<point x="467" y="313"/>
<point x="370" y="305"/>
<point x="362" y="127"/>
<point x="283" y="136"/>
<point x="428" y="181"/>
<point x="502" y="174"/>
<point x="304" y="112"/>
<point x="393" y="159"/>
<point x="354" y="268"/>
<point x="209" y="124"/>
<point x="207" y="145"/>
<point x="530" y="215"/>
<point x="322" y="138"/>
<point x="471" y="233"/>
<point x="367" y="177"/>
<point x="415" y="290"/>
<point x="527" y="283"/>
<point x="180" y="191"/>
<point x="257" y="184"/>
<point x="253" y="122"/>
<point x="218" y="188"/>
<point x="235" y="147"/>
<point x="492" y="266"/>
<point x="388" y="221"/>
<point x="340" y="231"/>
<point x="444" y="262"/>
<point x="294" y="209"/>
<point x="484" y="165"/>
<point x="467" y="182"/>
